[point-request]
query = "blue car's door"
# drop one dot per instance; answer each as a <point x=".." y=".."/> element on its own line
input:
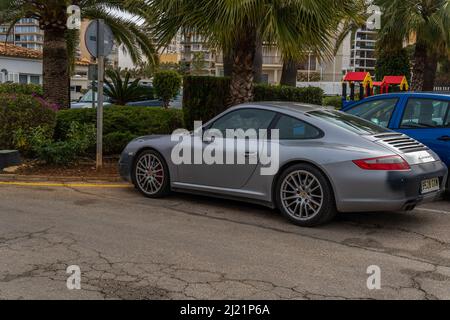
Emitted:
<point x="428" y="121"/>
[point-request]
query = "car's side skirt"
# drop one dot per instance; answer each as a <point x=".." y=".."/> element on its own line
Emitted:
<point x="223" y="193"/>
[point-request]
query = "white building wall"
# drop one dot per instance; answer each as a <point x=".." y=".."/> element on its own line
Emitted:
<point x="16" y="66"/>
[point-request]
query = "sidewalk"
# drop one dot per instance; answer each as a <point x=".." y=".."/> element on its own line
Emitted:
<point x="36" y="178"/>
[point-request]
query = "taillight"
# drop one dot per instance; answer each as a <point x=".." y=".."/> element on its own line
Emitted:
<point x="389" y="163"/>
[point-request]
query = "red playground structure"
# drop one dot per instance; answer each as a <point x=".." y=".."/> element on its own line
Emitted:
<point x="367" y="85"/>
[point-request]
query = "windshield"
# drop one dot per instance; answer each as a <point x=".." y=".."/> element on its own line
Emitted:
<point x="90" y="94"/>
<point x="349" y="122"/>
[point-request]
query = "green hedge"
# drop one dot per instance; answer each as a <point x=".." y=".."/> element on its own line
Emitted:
<point x="19" y="88"/>
<point x="205" y="97"/>
<point x="312" y="95"/>
<point x="22" y="113"/>
<point x="122" y="124"/>
<point x="333" y="101"/>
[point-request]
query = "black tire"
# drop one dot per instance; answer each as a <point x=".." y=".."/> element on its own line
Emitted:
<point x="163" y="183"/>
<point x="324" y="213"/>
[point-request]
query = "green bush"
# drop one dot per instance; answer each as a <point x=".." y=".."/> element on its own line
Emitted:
<point x="203" y="98"/>
<point x="20" y="112"/>
<point x="334" y="101"/>
<point x="312" y="95"/>
<point x="78" y="140"/>
<point x="121" y="124"/>
<point x="167" y="85"/>
<point x="18" y="88"/>
<point x="115" y="142"/>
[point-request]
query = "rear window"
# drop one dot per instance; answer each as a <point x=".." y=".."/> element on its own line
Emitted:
<point x="349" y="122"/>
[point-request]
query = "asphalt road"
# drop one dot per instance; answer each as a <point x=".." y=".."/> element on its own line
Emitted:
<point x="130" y="247"/>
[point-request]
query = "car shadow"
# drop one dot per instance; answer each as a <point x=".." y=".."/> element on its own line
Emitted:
<point x="233" y="209"/>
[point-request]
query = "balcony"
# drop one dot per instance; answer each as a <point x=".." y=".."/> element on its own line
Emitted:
<point x="272" y="60"/>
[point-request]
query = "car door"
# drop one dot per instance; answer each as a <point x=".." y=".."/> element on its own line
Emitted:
<point x="229" y="174"/>
<point x="378" y="111"/>
<point x="428" y="121"/>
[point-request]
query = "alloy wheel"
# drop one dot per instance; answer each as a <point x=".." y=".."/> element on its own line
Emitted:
<point x="150" y="174"/>
<point x="301" y="195"/>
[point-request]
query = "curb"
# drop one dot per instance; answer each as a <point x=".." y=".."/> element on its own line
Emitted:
<point x="31" y="178"/>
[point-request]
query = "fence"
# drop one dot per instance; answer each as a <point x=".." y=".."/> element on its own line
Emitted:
<point x="330" y="88"/>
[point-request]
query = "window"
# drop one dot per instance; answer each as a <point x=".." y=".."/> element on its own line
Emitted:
<point x="425" y="113"/>
<point x="265" y="78"/>
<point x="244" y="119"/>
<point x="349" y="122"/>
<point x="294" y="129"/>
<point x="23" y="78"/>
<point x="35" y="79"/>
<point x="378" y="112"/>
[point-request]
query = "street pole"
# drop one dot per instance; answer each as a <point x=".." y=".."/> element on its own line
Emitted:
<point x="100" y="78"/>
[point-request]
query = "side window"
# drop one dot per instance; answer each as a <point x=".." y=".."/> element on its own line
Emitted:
<point x="378" y="112"/>
<point x="425" y="113"/>
<point x="294" y="129"/>
<point x="244" y="119"/>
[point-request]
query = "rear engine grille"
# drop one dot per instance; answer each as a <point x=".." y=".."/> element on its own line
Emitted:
<point x="401" y="142"/>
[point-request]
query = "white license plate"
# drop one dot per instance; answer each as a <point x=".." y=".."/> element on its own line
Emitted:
<point x="430" y="185"/>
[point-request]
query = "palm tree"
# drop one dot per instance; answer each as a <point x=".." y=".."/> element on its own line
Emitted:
<point x="235" y="25"/>
<point x="428" y="21"/>
<point x="52" y="16"/>
<point x="121" y="91"/>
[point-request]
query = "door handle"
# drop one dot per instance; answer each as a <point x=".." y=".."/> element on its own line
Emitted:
<point x="444" y="138"/>
<point x="250" y="154"/>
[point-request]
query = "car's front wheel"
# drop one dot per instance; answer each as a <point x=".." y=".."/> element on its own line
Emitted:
<point x="304" y="196"/>
<point x="151" y="175"/>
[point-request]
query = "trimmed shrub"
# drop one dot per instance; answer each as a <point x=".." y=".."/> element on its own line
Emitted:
<point x="20" y="112"/>
<point x="79" y="139"/>
<point x="121" y="124"/>
<point x="312" y="95"/>
<point x="115" y="142"/>
<point x="204" y="98"/>
<point x="167" y="85"/>
<point x="19" y="88"/>
<point x="334" y="101"/>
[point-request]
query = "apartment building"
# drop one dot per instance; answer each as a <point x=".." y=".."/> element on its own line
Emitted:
<point x="363" y="50"/>
<point x="26" y="33"/>
<point x="198" y="56"/>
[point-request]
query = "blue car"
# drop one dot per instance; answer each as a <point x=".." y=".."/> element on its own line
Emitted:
<point x="422" y="116"/>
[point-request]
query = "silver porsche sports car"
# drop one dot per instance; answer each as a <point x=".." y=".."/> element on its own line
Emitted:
<point x="326" y="162"/>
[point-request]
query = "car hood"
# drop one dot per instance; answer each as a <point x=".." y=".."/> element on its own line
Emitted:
<point x="150" y="137"/>
<point x="84" y="105"/>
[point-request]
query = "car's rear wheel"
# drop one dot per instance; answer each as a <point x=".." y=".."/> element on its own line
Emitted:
<point x="304" y="196"/>
<point x="151" y="175"/>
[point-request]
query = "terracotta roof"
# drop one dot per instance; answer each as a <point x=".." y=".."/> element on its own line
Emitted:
<point x="83" y="62"/>
<point x="9" y="50"/>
